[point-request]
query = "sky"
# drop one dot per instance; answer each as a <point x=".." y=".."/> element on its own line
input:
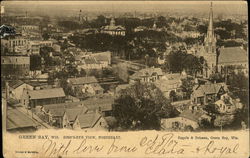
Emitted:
<point x="224" y="7"/>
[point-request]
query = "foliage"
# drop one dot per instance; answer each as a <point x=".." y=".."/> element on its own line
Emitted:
<point x="177" y="61"/>
<point x="187" y="86"/>
<point x="217" y="77"/>
<point x="35" y="62"/>
<point x="223" y="120"/>
<point x="211" y="109"/>
<point x="141" y="106"/>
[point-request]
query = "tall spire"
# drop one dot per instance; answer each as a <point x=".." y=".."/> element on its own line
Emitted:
<point x="210" y="39"/>
<point x="210" y="31"/>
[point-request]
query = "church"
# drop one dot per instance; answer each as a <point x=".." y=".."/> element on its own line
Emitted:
<point x="218" y="59"/>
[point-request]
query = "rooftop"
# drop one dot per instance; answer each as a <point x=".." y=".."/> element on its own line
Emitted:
<point x="209" y="88"/>
<point x="88" y="120"/>
<point x="191" y="115"/>
<point x="82" y="80"/>
<point x="147" y="72"/>
<point x="46" y="93"/>
<point x="16" y="119"/>
<point x="16" y="83"/>
<point x="232" y="55"/>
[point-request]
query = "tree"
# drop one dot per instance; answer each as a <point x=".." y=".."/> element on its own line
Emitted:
<point x="211" y="109"/>
<point x="173" y="95"/>
<point x="141" y="106"/>
<point x="46" y="35"/>
<point x="35" y="62"/>
<point x="223" y="120"/>
<point x="187" y="86"/>
<point x="217" y="77"/>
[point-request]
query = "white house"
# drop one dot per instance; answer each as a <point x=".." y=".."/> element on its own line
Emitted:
<point x="17" y="87"/>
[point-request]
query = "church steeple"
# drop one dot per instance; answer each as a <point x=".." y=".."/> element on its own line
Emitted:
<point x="210" y="31"/>
<point x="210" y="39"/>
<point x="210" y="54"/>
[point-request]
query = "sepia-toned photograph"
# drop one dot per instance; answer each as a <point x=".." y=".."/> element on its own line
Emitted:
<point x="124" y="66"/>
<point x="125" y="79"/>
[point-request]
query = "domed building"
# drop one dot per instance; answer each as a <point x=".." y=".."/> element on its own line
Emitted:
<point x="112" y="29"/>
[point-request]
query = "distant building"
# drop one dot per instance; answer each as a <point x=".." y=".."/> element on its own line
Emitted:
<point x="210" y="54"/>
<point x="228" y="105"/>
<point x="28" y="28"/>
<point x="170" y="82"/>
<point x="56" y="47"/>
<point x="34" y="48"/>
<point x="89" y="63"/>
<point x="147" y="75"/>
<point x="33" y="98"/>
<point x="112" y="29"/>
<point x="208" y="93"/>
<point x="90" y="121"/>
<point x="103" y="105"/>
<point x="18" y="66"/>
<point x="140" y="28"/>
<point x="61" y="116"/>
<point x="17" y="88"/>
<point x="234" y="57"/>
<point x="85" y="86"/>
<point x="187" y="120"/>
<point x="14" y="42"/>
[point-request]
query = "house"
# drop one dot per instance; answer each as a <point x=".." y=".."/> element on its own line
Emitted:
<point x="33" y="98"/>
<point x="232" y="56"/>
<point x="187" y="120"/>
<point x="101" y="104"/>
<point x="226" y="104"/>
<point x="62" y="115"/>
<point x="34" y="48"/>
<point x="147" y="75"/>
<point x="85" y="85"/>
<point x="112" y="29"/>
<point x="103" y="57"/>
<point x="27" y="28"/>
<point x="56" y="47"/>
<point x="170" y="82"/>
<point x="15" y="65"/>
<point x="17" y="88"/>
<point x="208" y="93"/>
<point x="90" y="121"/>
<point x="89" y="63"/>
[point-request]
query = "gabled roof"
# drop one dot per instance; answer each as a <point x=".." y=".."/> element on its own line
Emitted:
<point x="88" y="120"/>
<point x="46" y="93"/>
<point x="73" y="112"/>
<point x="16" y="83"/>
<point x="232" y="55"/>
<point x="102" y="104"/>
<point x="83" y="80"/>
<point x="209" y="88"/>
<point x="147" y="72"/>
<point x="103" y="56"/>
